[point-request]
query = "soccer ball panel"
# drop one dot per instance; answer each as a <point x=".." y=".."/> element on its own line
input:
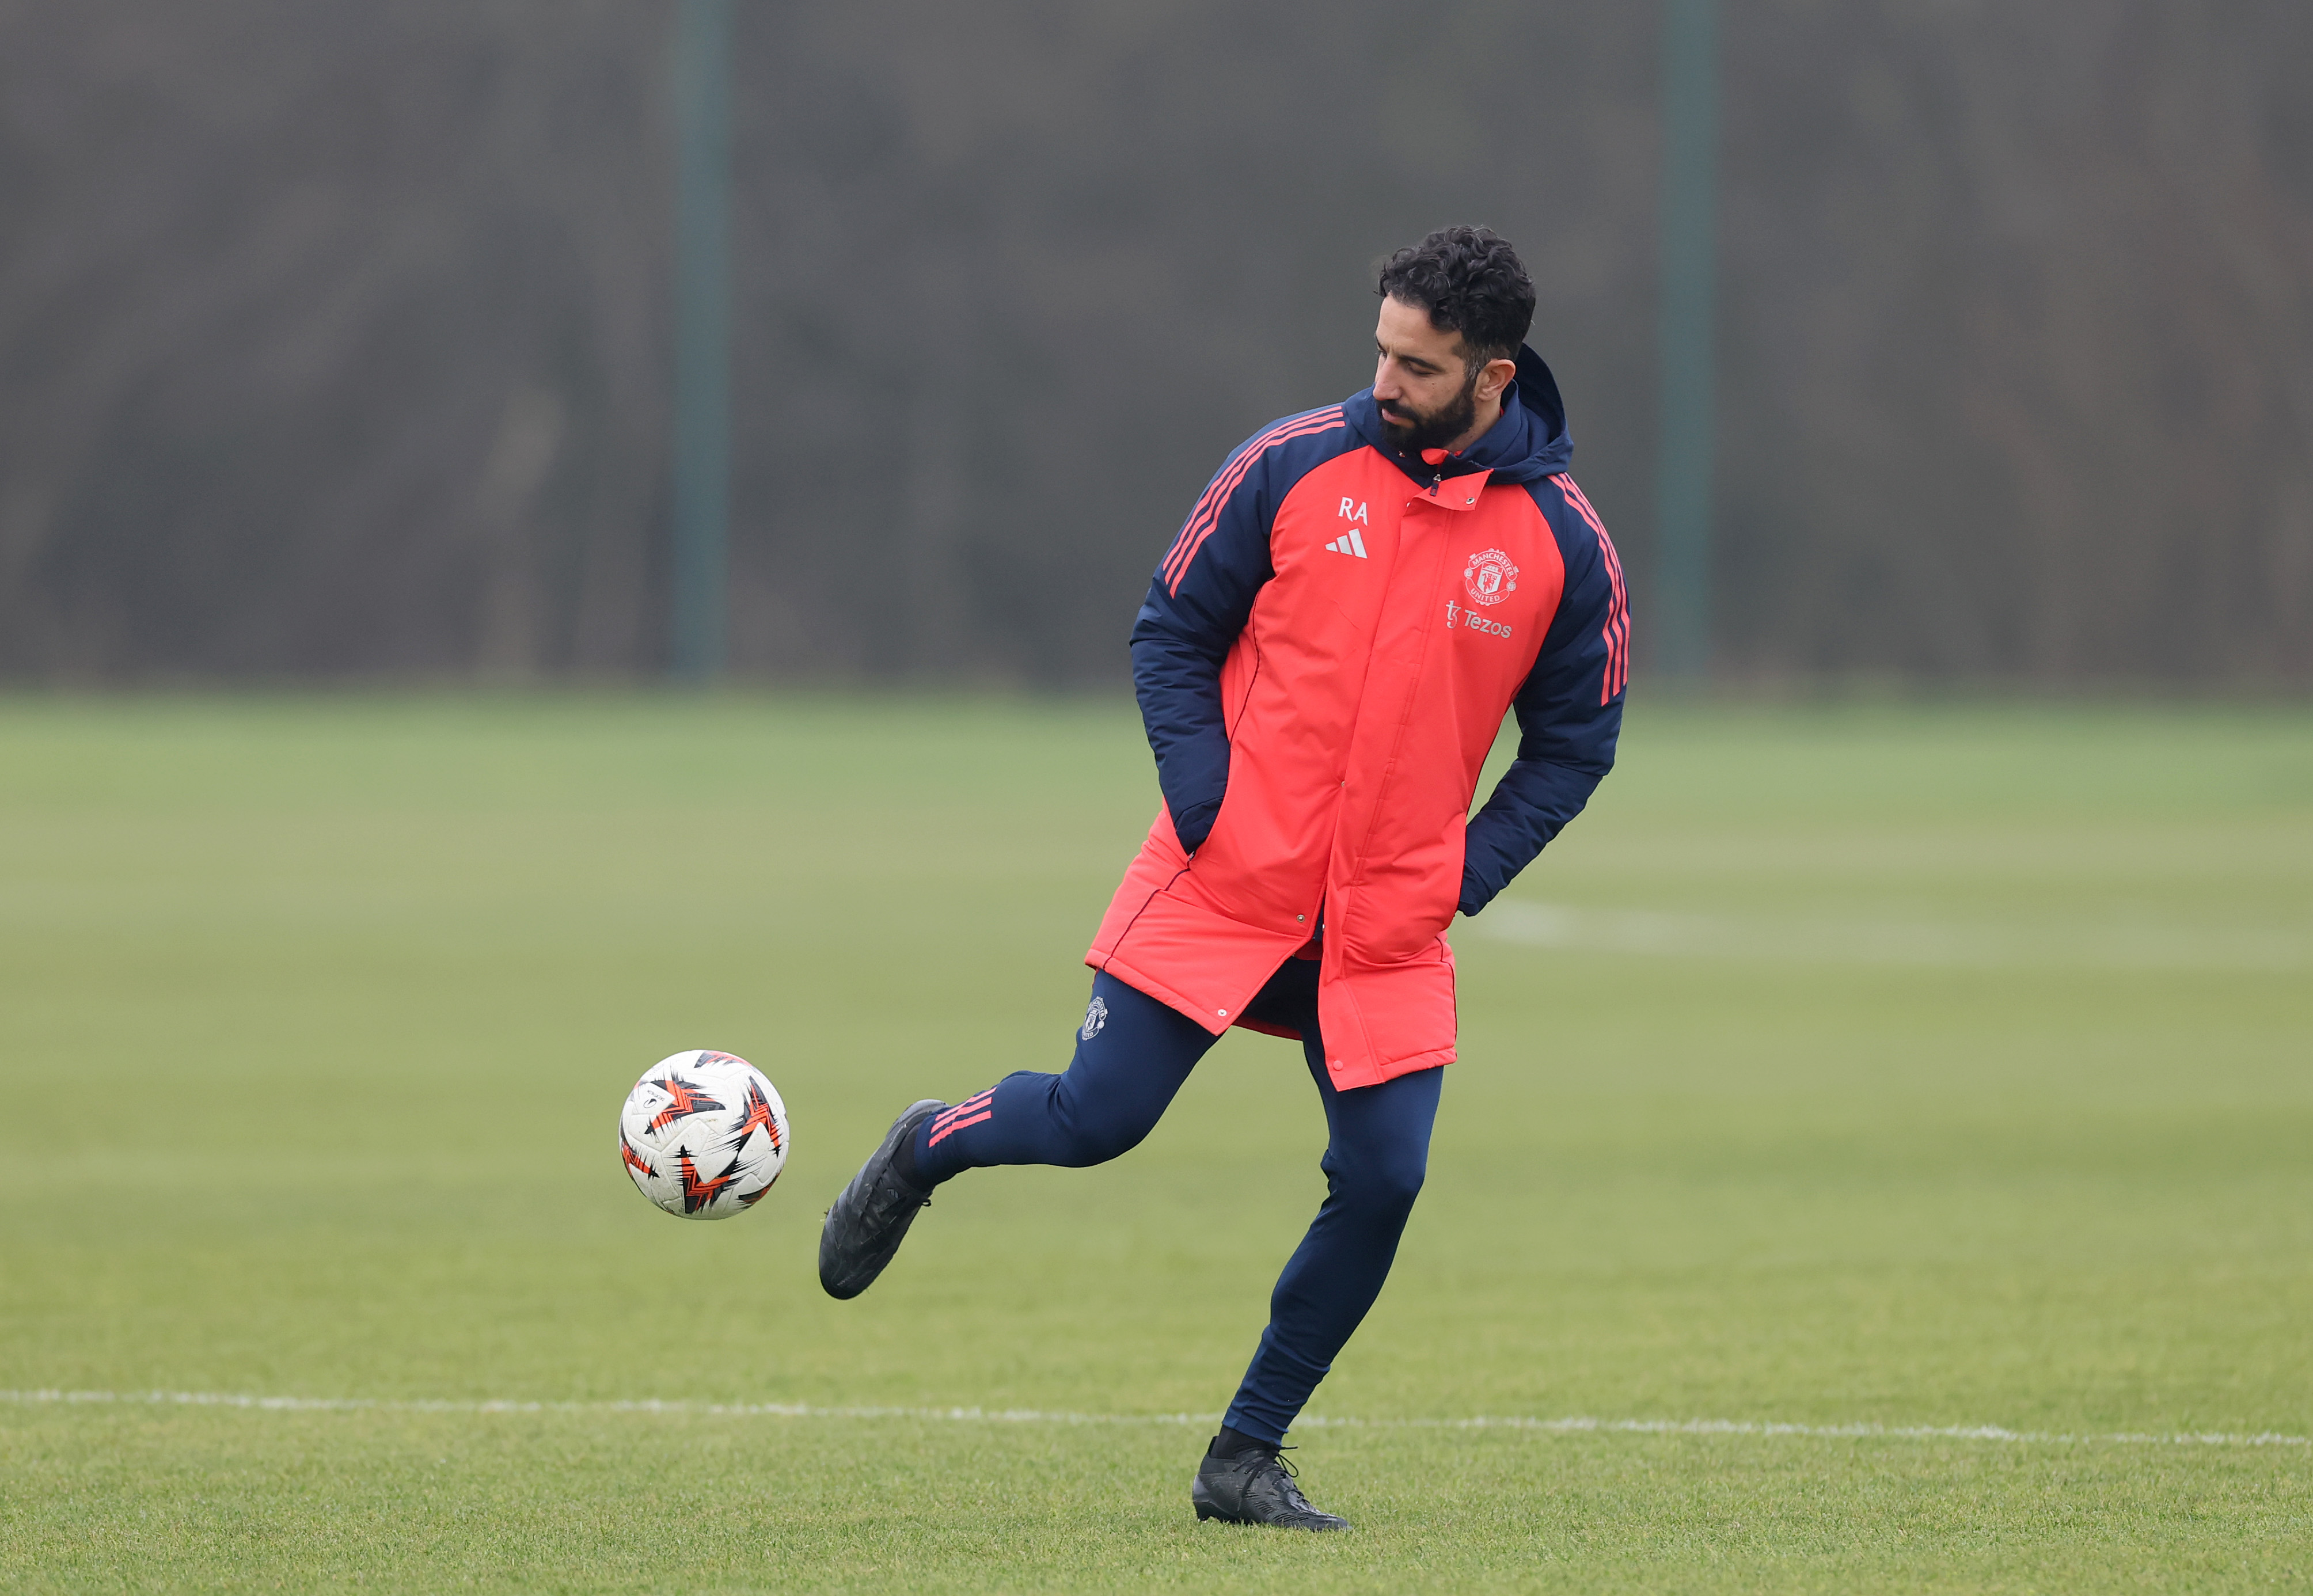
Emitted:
<point x="703" y="1134"/>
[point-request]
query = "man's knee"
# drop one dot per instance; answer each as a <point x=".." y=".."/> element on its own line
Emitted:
<point x="1398" y="1182"/>
<point x="1382" y="1185"/>
<point x="1095" y="1144"/>
<point x="1095" y="1134"/>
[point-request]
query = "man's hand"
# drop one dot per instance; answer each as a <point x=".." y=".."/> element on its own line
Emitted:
<point x="1195" y="826"/>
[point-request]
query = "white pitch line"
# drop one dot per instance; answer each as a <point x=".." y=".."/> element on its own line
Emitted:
<point x="1022" y="1415"/>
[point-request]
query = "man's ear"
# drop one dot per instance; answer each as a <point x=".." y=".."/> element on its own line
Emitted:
<point x="1495" y="377"/>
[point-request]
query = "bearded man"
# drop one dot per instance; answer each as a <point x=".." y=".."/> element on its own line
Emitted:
<point x="1323" y="662"/>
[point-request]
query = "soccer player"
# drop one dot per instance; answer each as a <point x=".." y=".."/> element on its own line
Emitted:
<point x="1324" y="660"/>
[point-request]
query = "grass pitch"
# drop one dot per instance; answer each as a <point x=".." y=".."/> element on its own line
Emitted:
<point x="1847" y="1076"/>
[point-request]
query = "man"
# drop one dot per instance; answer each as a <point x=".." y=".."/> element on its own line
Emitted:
<point x="1323" y="662"/>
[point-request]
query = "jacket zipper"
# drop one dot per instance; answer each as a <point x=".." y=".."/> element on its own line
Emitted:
<point x="1397" y="739"/>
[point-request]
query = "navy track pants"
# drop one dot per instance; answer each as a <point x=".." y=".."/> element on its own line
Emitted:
<point x="1133" y="1053"/>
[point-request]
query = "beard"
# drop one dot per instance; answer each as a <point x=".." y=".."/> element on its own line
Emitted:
<point x="1413" y="431"/>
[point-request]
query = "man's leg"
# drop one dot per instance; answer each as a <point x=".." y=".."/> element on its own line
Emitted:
<point x="1376" y="1153"/>
<point x="1132" y="1055"/>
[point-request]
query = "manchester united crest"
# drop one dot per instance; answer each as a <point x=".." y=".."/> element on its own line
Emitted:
<point x="1489" y="577"/>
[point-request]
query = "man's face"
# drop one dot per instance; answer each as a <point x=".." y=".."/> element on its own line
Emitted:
<point x="1427" y="394"/>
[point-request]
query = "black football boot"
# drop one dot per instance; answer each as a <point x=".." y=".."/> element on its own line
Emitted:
<point x="867" y="1222"/>
<point x="1256" y="1488"/>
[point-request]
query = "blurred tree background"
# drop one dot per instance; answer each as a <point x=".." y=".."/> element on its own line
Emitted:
<point x="334" y="339"/>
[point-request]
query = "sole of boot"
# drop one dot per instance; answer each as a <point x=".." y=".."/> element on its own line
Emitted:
<point x="1205" y="1515"/>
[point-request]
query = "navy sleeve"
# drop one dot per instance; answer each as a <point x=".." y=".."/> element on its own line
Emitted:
<point x="1199" y="602"/>
<point x="1570" y="711"/>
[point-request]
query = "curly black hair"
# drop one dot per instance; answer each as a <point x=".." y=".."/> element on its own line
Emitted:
<point x="1471" y="282"/>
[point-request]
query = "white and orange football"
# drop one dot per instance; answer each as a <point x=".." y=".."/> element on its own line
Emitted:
<point x="703" y="1134"/>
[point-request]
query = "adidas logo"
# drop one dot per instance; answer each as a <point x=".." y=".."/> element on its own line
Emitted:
<point x="1349" y="542"/>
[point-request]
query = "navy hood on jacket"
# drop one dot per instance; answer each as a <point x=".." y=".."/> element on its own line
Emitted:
<point x="1529" y="443"/>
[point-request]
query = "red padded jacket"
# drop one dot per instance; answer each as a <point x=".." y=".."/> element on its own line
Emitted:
<point x="1325" y="657"/>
